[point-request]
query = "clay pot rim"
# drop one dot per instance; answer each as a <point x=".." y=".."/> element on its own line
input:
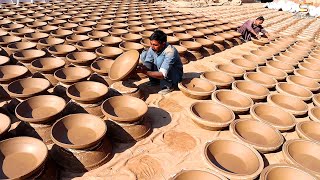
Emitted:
<point x="5" y="122"/>
<point x="252" y="96"/>
<point x="282" y="91"/>
<point x="302" y="133"/>
<point x="260" y="61"/>
<point x="174" y="177"/>
<point x="268" y="169"/>
<point x="294" y="112"/>
<point x="71" y="80"/>
<point x="46" y="84"/>
<point x="50" y="68"/>
<point x="218" y="83"/>
<point x="96" y="44"/>
<point x="80" y="146"/>
<point x="16" y="66"/>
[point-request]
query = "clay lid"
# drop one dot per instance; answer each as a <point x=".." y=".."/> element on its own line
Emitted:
<point x="146" y="34"/>
<point x="291" y="104"/>
<point x="61" y="49"/>
<point x="50" y="41"/>
<point x="218" y="78"/>
<point x="109" y="52"/>
<point x="273" y="72"/>
<point x="88" y="45"/>
<point x="294" y="90"/>
<point x="5" y="40"/>
<point x="35" y="36"/>
<point x="9" y="27"/>
<point x="20" y="32"/>
<point x="28" y="55"/>
<point x="204" y="42"/>
<point x="288" y="68"/>
<point x="61" y="33"/>
<point x="68" y="26"/>
<point x="34" y="109"/>
<point x="127" y="46"/>
<point x="309" y="130"/>
<point x="259" y="135"/>
<point x="110" y="41"/>
<point x="33" y="151"/>
<point x="131" y="37"/>
<point x="18" y="46"/>
<point x="72" y="74"/>
<point x="285" y="172"/>
<point x="78" y="131"/>
<point x="4" y="60"/>
<point x="254" y="58"/>
<point x="243" y="161"/>
<point x="47" y="64"/>
<point x="197" y="88"/>
<point x="81" y="58"/>
<point x="87" y="92"/>
<point x="102" y="66"/>
<point x="117" y="32"/>
<point x="308" y="73"/>
<point x="5" y="124"/>
<point x="244" y="64"/>
<point x="249" y="88"/>
<point x="309" y="66"/>
<point x="233" y="100"/>
<point x="295" y="152"/>
<point x="216" y="38"/>
<point x="183" y="36"/>
<point x="308" y="83"/>
<point x="277" y="117"/>
<point x="197" y="174"/>
<point x="230" y="69"/>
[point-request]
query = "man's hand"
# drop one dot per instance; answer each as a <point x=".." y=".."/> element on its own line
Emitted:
<point x="141" y="69"/>
<point x="258" y="36"/>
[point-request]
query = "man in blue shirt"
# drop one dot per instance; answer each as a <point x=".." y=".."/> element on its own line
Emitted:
<point x="161" y="63"/>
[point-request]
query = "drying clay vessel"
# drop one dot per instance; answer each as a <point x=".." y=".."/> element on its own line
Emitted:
<point x="26" y="56"/>
<point x="254" y="58"/>
<point x="231" y="70"/>
<point x="218" y="78"/>
<point x="197" y="174"/>
<point x="288" y="68"/>
<point x="5" y="124"/>
<point x="244" y="64"/>
<point x="47" y="42"/>
<point x="81" y="58"/>
<point x="88" y="45"/>
<point x="291" y="104"/>
<point x="75" y="38"/>
<point x="278" y="74"/>
<point x="294" y="90"/>
<point x="9" y="73"/>
<point x="109" y="52"/>
<point x="308" y="73"/>
<point x="309" y="130"/>
<point x="255" y="91"/>
<point x="197" y="88"/>
<point x="25" y="88"/>
<point x="102" y="67"/>
<point x="308" y="83"/>
<point x="127" y="46"/>
<point x="71" y="75"/>
<point x="61" y="50"/>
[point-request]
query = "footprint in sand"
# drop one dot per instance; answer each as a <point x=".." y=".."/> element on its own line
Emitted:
<point x="170" y="105"/>
<point x="179" y="141"/>
<point x="145" y="167"/>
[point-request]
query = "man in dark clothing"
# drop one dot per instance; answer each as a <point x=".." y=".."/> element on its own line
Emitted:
<point x="252" y="28"/>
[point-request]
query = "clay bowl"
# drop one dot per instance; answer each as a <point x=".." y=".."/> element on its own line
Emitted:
<point x="244" y="162"/>
<point x="314" y="113"/>
<point x="255" y="91"/>
<point x="299" y="53"/>
<point x="308" y="73"/>
<point x="296" y="151"/>
<point x="197" y="88"/>
<point x="291" y="104"/>
<point x="288" y="68"/>
<point x="131" y="37"/>
<point x="19" y="46"/>
<point x="205" y="42"/>
<point x="76" y="38"/>
<point x="270" y="114"/>
<point x="88" y="45"/>
<point x="109" y="52"/>
<point x="261" y="136"/>
<point x="183" y="36"/>
<point x="68" y="26"/>
<point x="4" y="60"/>
<point x="72" y="75"/>
<point x="111" y="41"/>
<point x="87" y="23"/>
<point x="61" y="33"/>
<point x="311" y="60"/>
<point x="78" y="131"/>
<point x="315" y="56"/>
<point x="285" y="172"/>
<point x="34" y="110"/>
<point x="146" y="34"/>
<point x="294" y="90"/>
<point x="9" y="73"/>
<point x="102" y="67"/>
<point x="119" y="25"/>
<point x="81" y="30"/>
<point x="230" y="69"/>
<point x="36" y="24"/>
<point x="127" y="46"/>
<point x="254" y="58"/>
<point x="287" y="60"/>
<point x="33" y="151"/>
<point x="309" y="130"/>
<point x="61" y="50"/>
<point x="124" y="65"/>
<point x="235" y="101"/>
<point x="308" y="83"/>
<point x="9" y="27"/>
<point x="262" y="53"/>
<point x="218" y="78"/>
<point x="211" y="116"/>
<point x="24" y="88"/>
<point x="5" y="124"/>
<point x="47" y="65"/>
<point x="28" y="55"/>
<point x="5" y="40"/>
<point x="172" y="40"/>
<point x="87" y="92"/>
<point x="309" y="66"/>
<point x="293" y="56"/>
<point x="195" y="34"/>
<point x="195" y="174"/>
<point x="191" y="45"/>
<point x="177" y="29"/>
<point x="273" y="72"/>
<point x="20" y="32"/>
<point x="117" y="32"/>
<point x="81" y="58"/>
<point x="261" y="41"/>
<point x="124" y="108"/>
<point x="35" y="37"/>
<point x="150" y="27"/>
<point x="146" y="43"/>
<point x="244" y="64"/>
<point x="97" y="34"/>
<point x="47" y="42"/>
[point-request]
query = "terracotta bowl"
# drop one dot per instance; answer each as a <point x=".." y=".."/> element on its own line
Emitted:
<point x="124" y="108"/>
<point x="35" y="37"/>
<point x="211" y="116"/>
<point x="61" y="33"/>
<point x="277" y="117"/>
<point x="47" y="64"/>
<point x="197" y="174"/>
<point x="81" y="58"/>
<point x="19" y="32"/>
<point x="216" y="38"/>
<point x="102" y="67"/>
<point x="287" y="60"/>
<point x="87" y="92"/>
<point x="33" y="151"/>
<point x="117" y="32"/>
<point x="68" y="26"/>
<point x="124" y="65"/>
<point x="127" y="46"/>
<point x="111" y="41"/>
<point x="197" y="88"/>
<point x="61" y="50"/>
<point x="262" y="54"/>
<point x="294" y="105"/>
<point x="254" y="58"/>
<point x="81" y="30"/>
<point x="235" y="101"/>
<point x="309" y="130"/>
<point x="261" y="41"/>
<point x="146" y="34"/>
<point x="78" y="131"/>
<point x="309" y="66"/>
<point x="9" y="73"/>
<point x="19" y="46"/>
<point x="34" y="110"/>
<point x="29" y="55"/>
<point x="88" y="45"/>
<point x="230" y="69"/>
<point x="97" y="34"/>
<point x="183" y="36"/>
<point x="76" y="38"/>
<point x="273" y="72"/>
<point x="4" y="60"/>
<point x="109" y="52"/>
<point x="308" y="83"/>
<point x="205" y="42"/>
<point x="244" y="162"/>
<point x="131" y="37"/>
<point x="24" y="88"/>
<point x="296" y="151"/>
<point x="47" y="28"/>
<point x="9" y="27"/>
<point x="47" y="42"/>
<point x="5" y="124"/>
<point x="72" y="75"/>
<point x="294" y="90"/>
<point x="255" y="91"/>
<point x="5" y="40"/>
<point x="244" y="64"/>
<point x="311" y="60"/>
<point x="288" y="68"/>
<point x="293" y="56"/>
<point x="261" y="136"/>
<point x="316" y="100"/>
<point x="314" y="114"/>
<point x="220" y="79"/>
<point x="285" y="172"/>
<point x="298" y="53"/>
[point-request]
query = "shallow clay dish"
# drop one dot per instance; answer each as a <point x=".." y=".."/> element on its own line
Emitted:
<point x="254" y="58"/>
<point x="309" y="130"/>
<point x="124" y="108"/>
<point x="47" y="64"/>
<point x="211" y="116"/>
<point x="5" y="124"/>
<point x="255" y="91"/>
<point x="28" y="55"/>
<point x="218" y="78"/>
<point x="31" y="150"/>
<point x="308" y="83"/>
<point x="27" y="87"/>
<point x="244" y="64"/>
<point x="19" y="46"/>
<point x="127" y="46"/>
<point x="273" y="72"/>
<point x="259" y="135"/>
<point x="76" y="38"/>
<point x="87" y="92"/>
<point x="233" y="159"/>
<point x="294" y="90"/>
<point x="230" y="69"/>
<point x="4" y="60"/>
<point x="124" y="65"/>
<point x="291" y="104"/>
<point x="197" y="88"/>
<point x="233" y="100"/>
<point x="302" y="153"/>
<point x="288" y="68"/>
<point x="285" y="172"/>
<point x="71" y="75"/>
<point x="78" y="131"/>
<point x="47" y="42"/>
<point x="61" y="49"/>
<point x="88" y="45"/>
<point x="35" y="37"/>
<point x="111" y="41"/>
<point x="261" y="41"/>
<point x="109" y="52"/>
<point x="314" y="114"/>
<point x="102" y="67"/>
<point x="81" y="58"/>
<point x="197" y="174"/>
<point x="287" y="60"/>
<point x="309" y="66"/>
<point x="9" y="73"/>
<point x="40" y="109"/>
<point x="316" y="100"/>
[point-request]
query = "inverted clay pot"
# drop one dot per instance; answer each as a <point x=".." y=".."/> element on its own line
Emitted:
<point x="5" y="124"/>
<point x="244" y="64"/>
<point x="24" y="88"/>
<point x="195" y="174"/>
<point x="291" y="104"/>
<point x="26" y="56"/>
<point x="220" y="79"/>
<point x="309" y="130"/>
<point x="197" y="88"/>
<point x="9" y="73"/>
<point x="294" y="90"/>
<point x="230" y="69"/>
<point x="255" y="91"/>
<point x="308" y="83"/>
<point x="72" y="75"/>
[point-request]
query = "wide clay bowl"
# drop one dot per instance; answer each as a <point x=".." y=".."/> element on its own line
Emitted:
<point x="97" y="34"/>
<point x="131" y="37"/>
<point x="19" y="32"/>
<point x="9" y="27"/>
<point x="109" y="52"/>
<point x="124" y="65"/>
<point x="81" y="58"/>
<point x="197" y="174"/>
<point x="218" y="78"/>
<point x="146" y="34"/>
<point x="9" y="73"/>
<point x="24" y="88"/>
<point x="204" y="42"/>
<point x="71" y="75"/>
<point x="40" y="109"/>
<point x="308" y="83"/>
<point x="261" y="41"/>
<point x="35" y="37"/>
<point x="117" y="32"/>
<point x="87" y="92"/>
<point x="314" y="113"/>
<point x="32" y="151"/>
<point x="61" y="33"/>
<point x="5" y="124"/>
<point x="61" y="49"/>
<point x="292" y="104"/>
<point x="285" y="172"/>
<point x="265" y="51"/>
<point x="78" y="131"/>
<point x="294" y="90"/>
<point x="233" y="100"/>
<point x="244" y="64"/>
<point x="288" y="68"/>
<point x="230" y="69"/>
<point x="309" y="66"/>
<point x="49" y="64"/>
<point x="127" y="46"/>
<point x="28" y="55"/>
<point x="19" y="46"/>
<point x="254" y="58"/>
<point x="47" y="42"/>
<point x="304" y="154"/>
<point x="4" y="60"/>
<point x="255" y="91"/>
<point x="233" y="159"/>
<point x="216" y="38"/>
<point x="211" y="116"/>
<point x="309" y="130"/>
<point x="197" y="88"/>
<point x="124" y="108"/>
<point x="277" y="117"/>
<point x="102" y="67"/>
<point x="191" y="45"/>
<point x="287" y="60"/>
<point x="273" y="72"/>
<point x="76" y="38"/>
<point x="259" y="135"/>
<point x="316" y="99"/>
<point x="111" y="41"/>
<point x="88" y="45"/>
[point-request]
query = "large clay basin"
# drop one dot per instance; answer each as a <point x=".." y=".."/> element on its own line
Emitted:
<point x="19" y="46"/>
<point x="72" y="75"/>
<point x="4" y="60"/>
<point x="197" y="88"/>
<point x="218" y="78"/>
<point x="81" y="58"/>
<point x="308" y="83"/>
<point x="111" y="41"/>
<point x="61" y="33"/>
<point x="309" y="130"/>
<point x="97" y="34"/>
<point x="35" y="37"/>
<point x="287" y="60"/>
<point x="109" y="52"/>
<point x="294" y="90"/>
<point x="216" y="38"/>
<point x="131" y="37"/>
<point x="9" y="73"/>
<point x="288" y="68"/>
<point x="24" y="88"/>
<point x="102" y="67"/>
<point x="117" y="32"/>
<point x="262" y="53"/>
<point x="309" y="66"/>
<point x="230" y="69"/>
<point x="47" y="42"/>
<point x="89" y="45"/>
<point x="183" y="36"/>
<point x="76" y="38"/>
<point x="191" y="45"/>
<point x="26" y="56"/>
<point x="87" y="92"/>
<point x="47" y="65"/>
<point x="68" y="26"/>
<point x="136" y="29"/>
<point x="261" y="41"/>
<point x="255" y="91"/>
<point x="9" y="27"/>
<point x="127" y="46"/>
<point x="87" y="23"/>
<point x="292" y="104"/>
<point x="61" y="50"/>
<point x="273" y="72"/>
<point x="205" y="42"/>
<point x="146" y="34"/>
<point x="244" y="64"/>
<point x="5" y="40"/>
<point x="19" y="32"/>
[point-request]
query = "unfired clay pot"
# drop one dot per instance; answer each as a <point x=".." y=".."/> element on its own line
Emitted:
<point x="255" y="91"/>
<point x="314" y="114"/>
<point x="254" y="58"/>
<point x="294" y="90"/>
<point x="195" y="174"/>
<point x="5" y="124"/>
<point x="70" y="75"/>
<point x="308" y="83"/>
<point x="81" y="58"/>
<point x="61" y="50"/>
<point x="24" y="88"/>
<point x="127" y="46"/>
<point x="10" y="73"/>
<point x="26" y="56"/>
<point x="47" y="42"/>
<point x="278" y="74"/>
<point x="288" y="68"/>
<point x="309" y="130"/>
<point x="218" y="78"/>
<point x="75" y="38"/>
<point x="244" y="64"/>
<point x="197" y="88"/>
<point x="88" y="45"/>
<point x="291" y="104"/>
<point x="231" y="70"/>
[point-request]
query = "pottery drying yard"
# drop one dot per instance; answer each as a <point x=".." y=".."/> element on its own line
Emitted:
<point x="244" y="110"/>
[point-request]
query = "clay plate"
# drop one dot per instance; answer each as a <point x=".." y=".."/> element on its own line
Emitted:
<point x="197" y="174"/>
<point x="197" y="88"/>
<point x="254" y="90"/>
<point x="72" y="74"/>
<point x="309" y="130"/>
<point x="218" y="78"/>
<point x="27" y="87"/>
<point x="294" y="90"/>
<point x="87" y="92"/>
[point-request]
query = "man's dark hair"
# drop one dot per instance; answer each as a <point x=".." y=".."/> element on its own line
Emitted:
<point x="159" y="36"/>
<point x="261" y="18"/>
